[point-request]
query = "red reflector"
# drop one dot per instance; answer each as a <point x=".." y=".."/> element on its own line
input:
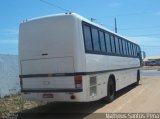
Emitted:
<point x="48" y="95"/>
<point x="78" y="79"/>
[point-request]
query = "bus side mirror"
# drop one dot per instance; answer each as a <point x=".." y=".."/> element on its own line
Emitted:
<point x="143" y="54"/>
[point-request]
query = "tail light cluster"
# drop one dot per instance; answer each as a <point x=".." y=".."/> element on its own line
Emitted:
<point x="78" y="81"/>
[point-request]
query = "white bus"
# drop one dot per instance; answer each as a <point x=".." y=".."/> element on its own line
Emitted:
<point x="68" y="58"/>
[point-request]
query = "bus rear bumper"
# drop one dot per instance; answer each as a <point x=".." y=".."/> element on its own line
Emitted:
<point x="55" y="96"/>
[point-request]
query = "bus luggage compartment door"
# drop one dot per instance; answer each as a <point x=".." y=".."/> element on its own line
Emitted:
<point x="43" y="74"/>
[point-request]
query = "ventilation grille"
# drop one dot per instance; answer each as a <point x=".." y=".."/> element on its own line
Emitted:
<point x="93" y="87"/>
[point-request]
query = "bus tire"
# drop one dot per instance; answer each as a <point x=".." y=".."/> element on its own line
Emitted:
<point x="138" y="77"/>
<point x="110" y="91"/>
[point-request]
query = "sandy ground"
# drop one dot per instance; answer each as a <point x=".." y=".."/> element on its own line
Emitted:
<point x="144" y="98"/>
<point x="151" y="67"/>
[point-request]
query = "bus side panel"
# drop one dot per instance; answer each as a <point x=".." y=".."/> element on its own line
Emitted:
<point x="79" y="50"/>
<point x="96" y="62"/>
<point x="127" y="66"/>
<point x="99" y="89"/>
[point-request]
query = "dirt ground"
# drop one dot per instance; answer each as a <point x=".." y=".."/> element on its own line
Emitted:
<point x="151" y="67"/>
<point x="143" y="98"/>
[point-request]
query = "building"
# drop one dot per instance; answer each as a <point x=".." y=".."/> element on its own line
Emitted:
<point x="152" y="61"/>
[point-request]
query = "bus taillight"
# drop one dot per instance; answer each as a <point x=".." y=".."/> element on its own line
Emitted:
<point x="78" y="81"/>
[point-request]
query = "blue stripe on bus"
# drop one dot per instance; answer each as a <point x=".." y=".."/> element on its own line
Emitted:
<point x="71" y="74"/>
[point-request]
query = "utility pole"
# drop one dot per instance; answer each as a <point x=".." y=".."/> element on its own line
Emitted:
<point x="115" y="24"/>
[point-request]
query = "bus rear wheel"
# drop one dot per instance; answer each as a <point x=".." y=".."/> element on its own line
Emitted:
<point x="110" y="91"/>
<point x="138" y="77"/>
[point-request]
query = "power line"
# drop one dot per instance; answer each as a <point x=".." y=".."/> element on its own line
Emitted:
<point x="137" y="28"/>
<point x="123" y="15"/>
<point x="137" y="13"/>
<point x="132" y="28"/>
<point x="56" y="6"/>
<point x="156" y="46"/>
<point x="139" y="35"/>
<point x="158" y="34"/>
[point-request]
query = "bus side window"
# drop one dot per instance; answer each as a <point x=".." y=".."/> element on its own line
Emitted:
<point x="95" y="39"/>
<point x="124" y="47"/>
<point x="102" y="41"/>
<point x="132" y="49"/>
<point x="87" y="38"/>
<point x="120" y="46"/>
<point x="117" y="45"/>
<point x="129" y="49"/>
<point x="135" y="50"/>
<point x="113" y="44"/>
<point x="108" y="42"/>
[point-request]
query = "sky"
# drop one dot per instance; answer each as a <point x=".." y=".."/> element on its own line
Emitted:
<point x="138" y="20"/>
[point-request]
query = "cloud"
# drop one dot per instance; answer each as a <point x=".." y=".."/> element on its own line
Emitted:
<point x="157" y="13"/>
<point x="9" y="31"/>
<point x="114" y="4"/>
<point x="8" y="42"/>
<point x="8" y="36"/>
<point x="145" y="40"/>
<point x="8" y="46"/>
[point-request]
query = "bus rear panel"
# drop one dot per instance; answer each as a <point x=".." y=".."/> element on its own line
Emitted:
<point x="46" y="49"/>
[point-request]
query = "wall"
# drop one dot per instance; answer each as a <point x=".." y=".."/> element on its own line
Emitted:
<point x="9" y="75"/>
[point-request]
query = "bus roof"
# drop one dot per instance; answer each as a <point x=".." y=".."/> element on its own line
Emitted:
<point x="82" y="19"/>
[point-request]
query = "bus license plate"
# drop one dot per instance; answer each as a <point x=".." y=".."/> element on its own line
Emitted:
<point x="48" y="95"/>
